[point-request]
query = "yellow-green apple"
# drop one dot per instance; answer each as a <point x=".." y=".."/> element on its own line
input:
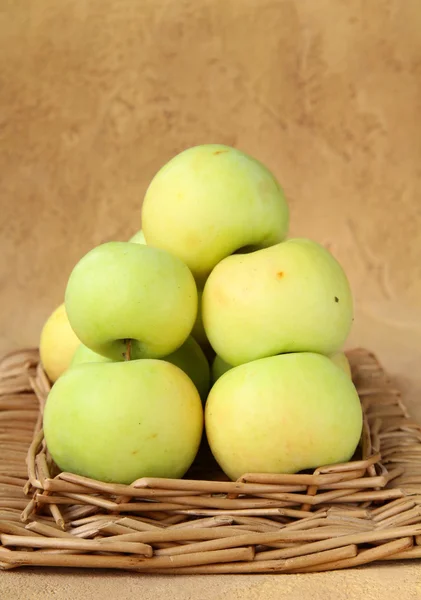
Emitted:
<point x="58" y="343"/>
<point x="340" y="359"/>
<point x="189" y="358"/>
<point x="219" y="367"/>
<point x="291" y="297"/>
<point x="283" y="414"/>
<point x="120" y="421"/>
<point x="138" y="238"/>
<point x="84" y="354"/>
<point x="198" y="331"/>
<point x="122" y="291"/>
<point x="208" y="202"/>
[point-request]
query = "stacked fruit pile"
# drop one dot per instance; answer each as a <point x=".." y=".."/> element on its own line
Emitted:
<point x="210" y="278"/>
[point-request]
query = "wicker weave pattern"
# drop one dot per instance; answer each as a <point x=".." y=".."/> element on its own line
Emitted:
<point x="337" y="517"/>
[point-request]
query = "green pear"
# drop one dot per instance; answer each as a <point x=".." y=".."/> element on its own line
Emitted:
<point x="340" y="360"/>
<point x="219" y="367"/>
<point x="208" y="202"/>
<point x="138" y="238"/>
<point x="283" y="414"/>
<point x="292" y="297"/>
<point x="122" y="292"/>
<point x="189" y="358"/>
<point x="118" y="422"/>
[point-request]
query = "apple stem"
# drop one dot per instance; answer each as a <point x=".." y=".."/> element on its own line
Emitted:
<point x="127" y="355"/>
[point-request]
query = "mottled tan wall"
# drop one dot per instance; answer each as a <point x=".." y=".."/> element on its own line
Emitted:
<point x="96" y="95"/>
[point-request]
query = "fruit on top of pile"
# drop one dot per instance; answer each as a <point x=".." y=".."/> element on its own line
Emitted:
<point x="210" y="201"/>
<point x="207" y="316"/>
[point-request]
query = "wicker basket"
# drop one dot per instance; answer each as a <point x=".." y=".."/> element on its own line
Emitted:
<point x="336" y="517"/>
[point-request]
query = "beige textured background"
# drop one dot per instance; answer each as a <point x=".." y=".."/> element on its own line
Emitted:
<point x="96" y="95"/>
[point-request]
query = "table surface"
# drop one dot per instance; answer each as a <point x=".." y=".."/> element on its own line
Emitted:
<point x="380" y="582"/>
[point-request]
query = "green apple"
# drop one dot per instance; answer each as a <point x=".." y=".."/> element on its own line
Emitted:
<point x="120" y="421"/>
<point x="84" y="354"/>
<point x="292" y="297"/>
<point x="58" y="343"/>
<point x="219" y="367"/>
<point x="283" y="414"/>
<point x="189" y="358"/>
<point x="122" y="291"/>
<point x="208" y="202"/>
<point x="138" y="238"/>
<point x="198" y="331"/>
<point x="340" y="360"/>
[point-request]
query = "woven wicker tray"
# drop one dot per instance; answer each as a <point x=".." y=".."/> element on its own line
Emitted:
<point x="336" y="517"/>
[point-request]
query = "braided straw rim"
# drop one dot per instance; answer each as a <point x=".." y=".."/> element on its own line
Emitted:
<point x="337" y="517"/>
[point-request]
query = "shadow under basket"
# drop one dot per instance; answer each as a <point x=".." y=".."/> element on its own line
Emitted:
<point x="335" y="517"/>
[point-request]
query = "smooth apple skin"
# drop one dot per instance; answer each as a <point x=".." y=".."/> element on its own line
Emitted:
<point x="58" y="343"/>
<point x="118" y="422"/>
<point x="283" y="414"/>
<point x="138" y="238"/>
<point x="209" y="201"/>
<point x="84" y="354"/>
<point x="198" y="331"/>
<point x="218" y="368"/>
<point x="189" y="358"/>
<point x="121" y="291"/>
<point x="292" y="297"/>
<point x="340" y="360"/>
